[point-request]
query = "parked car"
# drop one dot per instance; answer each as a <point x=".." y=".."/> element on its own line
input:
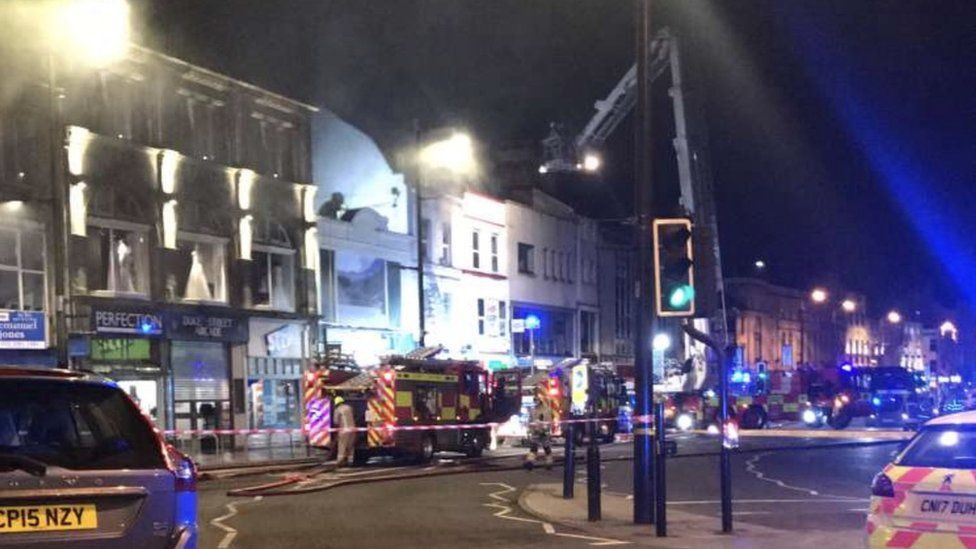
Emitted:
<point x="82" y="467"/>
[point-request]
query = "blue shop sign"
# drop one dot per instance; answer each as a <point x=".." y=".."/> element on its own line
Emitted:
<point x="22" y="330"/>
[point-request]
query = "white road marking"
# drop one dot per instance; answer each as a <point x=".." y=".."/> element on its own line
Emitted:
<point x="751" y="467"/>
<point x="231" y="533"/>
<point x="742" y="513"/>
<point x="505" y="510"/>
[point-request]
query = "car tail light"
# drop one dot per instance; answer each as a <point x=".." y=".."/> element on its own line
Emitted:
<point x="183" y="469"/>
<point x="882" y="487"/>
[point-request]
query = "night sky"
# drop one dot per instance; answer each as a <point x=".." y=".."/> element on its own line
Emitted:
<point x="841" y="131"/>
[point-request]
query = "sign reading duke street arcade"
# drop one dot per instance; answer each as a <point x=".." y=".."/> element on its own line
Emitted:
<point x="204" y="326"/>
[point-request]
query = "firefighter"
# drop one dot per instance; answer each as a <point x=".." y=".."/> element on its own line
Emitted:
<point x="347" y="435"/>
<point x="540" y="433"/>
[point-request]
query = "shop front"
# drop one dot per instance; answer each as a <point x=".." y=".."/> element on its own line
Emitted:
<point x="23" y="339"/>
<point x="276" y="356"/>
<point x="201" y="346"/>
<point x="126" y="347"/>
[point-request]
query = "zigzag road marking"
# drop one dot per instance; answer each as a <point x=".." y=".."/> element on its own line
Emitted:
<point x="505" y="512"/>
<point x="230" y="533"/>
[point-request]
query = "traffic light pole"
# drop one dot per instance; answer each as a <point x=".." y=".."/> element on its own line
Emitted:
<point x="644" y="295"/>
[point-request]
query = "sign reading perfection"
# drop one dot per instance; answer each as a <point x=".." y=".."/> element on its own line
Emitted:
<point x="127" y="322"/>
<point x="22" y="330"/>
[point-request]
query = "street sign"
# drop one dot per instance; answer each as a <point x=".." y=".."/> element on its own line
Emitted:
<point x="518" y="325"/>
<point x="580" y="386"/>
<point x="22" y="330"/>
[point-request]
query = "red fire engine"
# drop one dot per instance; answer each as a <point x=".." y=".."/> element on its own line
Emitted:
<point x="411" y="405"/>
<point x="554" y="387"/>
<point x="756" y="398"/>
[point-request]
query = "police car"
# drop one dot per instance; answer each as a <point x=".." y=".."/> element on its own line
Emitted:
<point x="927" y="496"/>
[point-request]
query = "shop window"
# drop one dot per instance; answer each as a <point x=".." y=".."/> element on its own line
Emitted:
<point x="21" y="269"/>
<point x="111" y="260"/>
<point x="272" y="280"/>
<point x="197" y="270"/>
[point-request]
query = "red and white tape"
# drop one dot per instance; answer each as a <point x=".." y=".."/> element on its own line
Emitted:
<point x="463" y="426"/>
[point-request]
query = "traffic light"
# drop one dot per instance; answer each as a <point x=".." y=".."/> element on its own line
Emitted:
<point x="674" y="278"/>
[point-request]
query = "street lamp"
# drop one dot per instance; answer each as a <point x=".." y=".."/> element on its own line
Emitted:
<point x="848" y="305"/>
<point x="454" y="154"/>
<point x="818" y="295"/>
<point x="661" y="342"/>
<point x="592" y="162"/>
<point x="95" y="31"/>
<point x="894" y="317"/>
<point x="760" y="265"/>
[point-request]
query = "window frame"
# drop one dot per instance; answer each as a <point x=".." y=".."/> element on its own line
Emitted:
<point x="198" y="238"/>
<point x="119" y="225"/>
<point x="476" y="249"/>
<point x="528" y="265"/>
<point x="269" y="251"/>
<point x="19" y="269"/>
<point x="493" y="251"/>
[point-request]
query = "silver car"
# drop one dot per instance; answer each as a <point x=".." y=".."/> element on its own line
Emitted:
<point x="81" y="467"/>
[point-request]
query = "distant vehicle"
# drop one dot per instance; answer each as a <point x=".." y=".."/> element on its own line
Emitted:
<point x="884" y="395"/>
<point x="926" y="496"/>
<point x="756" y="398"/>
<point x="82" y="467"/>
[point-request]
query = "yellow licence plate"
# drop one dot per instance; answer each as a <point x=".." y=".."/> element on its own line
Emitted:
<point x="45" y="518"/>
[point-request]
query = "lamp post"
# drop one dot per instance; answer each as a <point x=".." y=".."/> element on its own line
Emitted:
<point x="455" y="154"/>
<point x="96" y="33"/>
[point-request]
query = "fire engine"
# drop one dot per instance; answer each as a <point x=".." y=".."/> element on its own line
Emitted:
<point x="756" y="398"/>
<point x="412" y="405"/>
<point x="884" y="395"/>
<point x="554" y="388"/>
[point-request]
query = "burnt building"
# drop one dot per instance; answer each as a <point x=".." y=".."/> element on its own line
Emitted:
<point x="154" y="222"/>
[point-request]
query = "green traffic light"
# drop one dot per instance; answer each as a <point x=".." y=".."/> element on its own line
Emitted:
<point x="681" y="296"/>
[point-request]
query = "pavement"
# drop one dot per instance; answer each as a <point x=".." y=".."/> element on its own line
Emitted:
<point x="802" y="492"/>
<point x="684" y="530"/>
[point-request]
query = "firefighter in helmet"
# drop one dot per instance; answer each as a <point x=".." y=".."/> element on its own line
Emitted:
<point x="346" y="425"/>
<point x="540" y="434"/>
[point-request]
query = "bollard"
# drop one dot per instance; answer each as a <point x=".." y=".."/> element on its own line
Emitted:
<point x="593" y="510"/>
<point x="660" y="482"/>
<point x="569" y="462"/>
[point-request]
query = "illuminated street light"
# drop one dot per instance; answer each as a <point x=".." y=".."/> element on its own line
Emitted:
<point x="543" y="169"/>
<point x="948" y="329"/>
<point x="848" y="305"/>
<point x="661" y="342"/>
<point x="455" y="154"/>
<point x="760" y="264"/>
<point x="818" y="295"/>
<point x="591" y="162"/>
<point x="894" y="317"/>
<point x="95" y="30"/>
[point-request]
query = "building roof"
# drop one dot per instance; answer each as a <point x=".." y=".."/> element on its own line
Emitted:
<point x="222" y="78"/>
